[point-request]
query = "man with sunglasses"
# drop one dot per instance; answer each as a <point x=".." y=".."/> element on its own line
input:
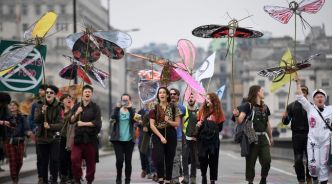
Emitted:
<point x="300" y="128"/>
<point x="49" y="120"/>
<point x="177" y="164"/>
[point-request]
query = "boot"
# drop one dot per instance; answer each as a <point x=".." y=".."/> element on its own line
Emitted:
<point x="204" y="180"/>
<point x="263" y="181"/>
<point x="309" y="181"/>
<point x="213" y="182"/>
<point x="118" y="177"/>
<point x="301" y="182"/>
<point x="127" y="181"/>
<point x="323" y="182"/>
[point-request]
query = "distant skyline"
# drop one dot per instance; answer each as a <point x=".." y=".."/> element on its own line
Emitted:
<point x="168" y="21"/>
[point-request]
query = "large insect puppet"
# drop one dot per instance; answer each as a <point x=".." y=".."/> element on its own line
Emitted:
<point x="284" y="14"/>
<point x="35" y="36"/>
<point x="174" y="71"/>
<point x="279" y="72"/>
<point x="87" y="47"/>
<point x="230" y="31"/>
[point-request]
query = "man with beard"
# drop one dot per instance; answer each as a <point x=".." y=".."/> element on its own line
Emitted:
<point x="181" y="144"/>
<point x="33" y="126"/>
<point x="88" y="118"/>
<point x="49" y="121"/>
<point x="190" y="150"/>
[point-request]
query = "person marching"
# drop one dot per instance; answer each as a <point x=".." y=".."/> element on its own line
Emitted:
<point x="87" y="117"/>
<point x="259" y="112"/>
<point x="66" y="134"/>
<point x="49" y="120"/>
<point x="164" y="118"/>
<point x="210" y="122"/>
<point x="4" y="120"/>
<point x="190" y="151"/>
<point x="319" y="118"/>
<point x="300" y="128"/>
<point x="16" y="131"/>
<point x="124" y="141"/>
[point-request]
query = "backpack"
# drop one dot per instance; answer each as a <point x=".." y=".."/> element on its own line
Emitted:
<point x="209" y="130"/>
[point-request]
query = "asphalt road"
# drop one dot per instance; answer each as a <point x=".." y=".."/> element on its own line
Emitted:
<point x="231" y="170"/>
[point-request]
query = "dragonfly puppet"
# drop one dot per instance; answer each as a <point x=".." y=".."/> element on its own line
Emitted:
<point x="37" y="33"/>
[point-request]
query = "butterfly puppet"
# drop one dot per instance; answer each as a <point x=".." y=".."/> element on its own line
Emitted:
<point x="84" y="71"/>
<point x="230" y="31"/>
<point x="283" y="14"/>
<point x="36" y="33"/>
<point x="172" y="71"/>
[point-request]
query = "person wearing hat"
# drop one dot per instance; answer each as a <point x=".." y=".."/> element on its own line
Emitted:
<point x="67" y="138"/>
<point x="33" y="126"/>
<point x="300" y="128"/>
<point x="319" y="119"/>
<point x="49" y="119"/>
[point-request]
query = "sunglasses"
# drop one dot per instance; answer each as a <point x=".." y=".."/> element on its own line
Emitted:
<point x="173" y="94"/>
<point x="50" y="92"/>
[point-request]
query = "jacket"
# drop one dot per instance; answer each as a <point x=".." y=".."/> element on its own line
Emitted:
<point x="115" y="128"/>
<point x="54" y="119"/>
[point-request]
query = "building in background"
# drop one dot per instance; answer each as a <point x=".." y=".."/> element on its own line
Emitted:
<point x="17" y="15"/>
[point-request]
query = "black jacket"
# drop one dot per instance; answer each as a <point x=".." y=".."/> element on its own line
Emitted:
<point x="298" y="116"/>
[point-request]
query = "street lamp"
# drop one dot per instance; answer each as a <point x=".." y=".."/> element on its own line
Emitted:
<point x="126" y="68"/>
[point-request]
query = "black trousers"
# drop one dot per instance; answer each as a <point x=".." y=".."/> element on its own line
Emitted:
<point x="164" y="153"/>
<point x="49" y="157"/>
<point x="300" y="149"/>
<point x="65" y="161"/>
<point x="210" y="159"/>
<point x="123" y="153"/>
<point x="38" y="161"/>
<point x="190" y="153"/>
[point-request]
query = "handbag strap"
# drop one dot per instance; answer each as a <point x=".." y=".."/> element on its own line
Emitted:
<point x="320" y="114"/>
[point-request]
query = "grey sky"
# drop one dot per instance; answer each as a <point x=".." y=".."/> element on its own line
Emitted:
<point x="167" y="21"/>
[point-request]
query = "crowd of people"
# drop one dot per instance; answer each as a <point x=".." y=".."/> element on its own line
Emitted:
<point x="174" y="139"/>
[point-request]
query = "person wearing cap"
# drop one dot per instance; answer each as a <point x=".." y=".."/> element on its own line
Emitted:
<point x="33" y="126"/>
<point x="319" y="119"/>
<point x="49" y="120"/>
<point x="300" y="128"/>
<point x="87" y="117"/>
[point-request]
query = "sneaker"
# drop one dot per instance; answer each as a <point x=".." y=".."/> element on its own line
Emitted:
<point x="143" y="174"/>
<point x="149" y="176"/>
<point x="1" y="170"/>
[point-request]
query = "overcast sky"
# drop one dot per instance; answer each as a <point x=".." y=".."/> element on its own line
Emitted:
<point x="167" y="21"/>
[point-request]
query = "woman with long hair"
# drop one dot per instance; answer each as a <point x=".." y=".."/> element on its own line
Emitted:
<point x="16" y="131"/>
<point x="210" y="118"/>
<point x="255" y="109"/>
<point x="164" y="118"/>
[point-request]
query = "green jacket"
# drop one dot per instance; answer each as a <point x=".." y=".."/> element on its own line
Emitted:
<point x="53" y="117"/>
